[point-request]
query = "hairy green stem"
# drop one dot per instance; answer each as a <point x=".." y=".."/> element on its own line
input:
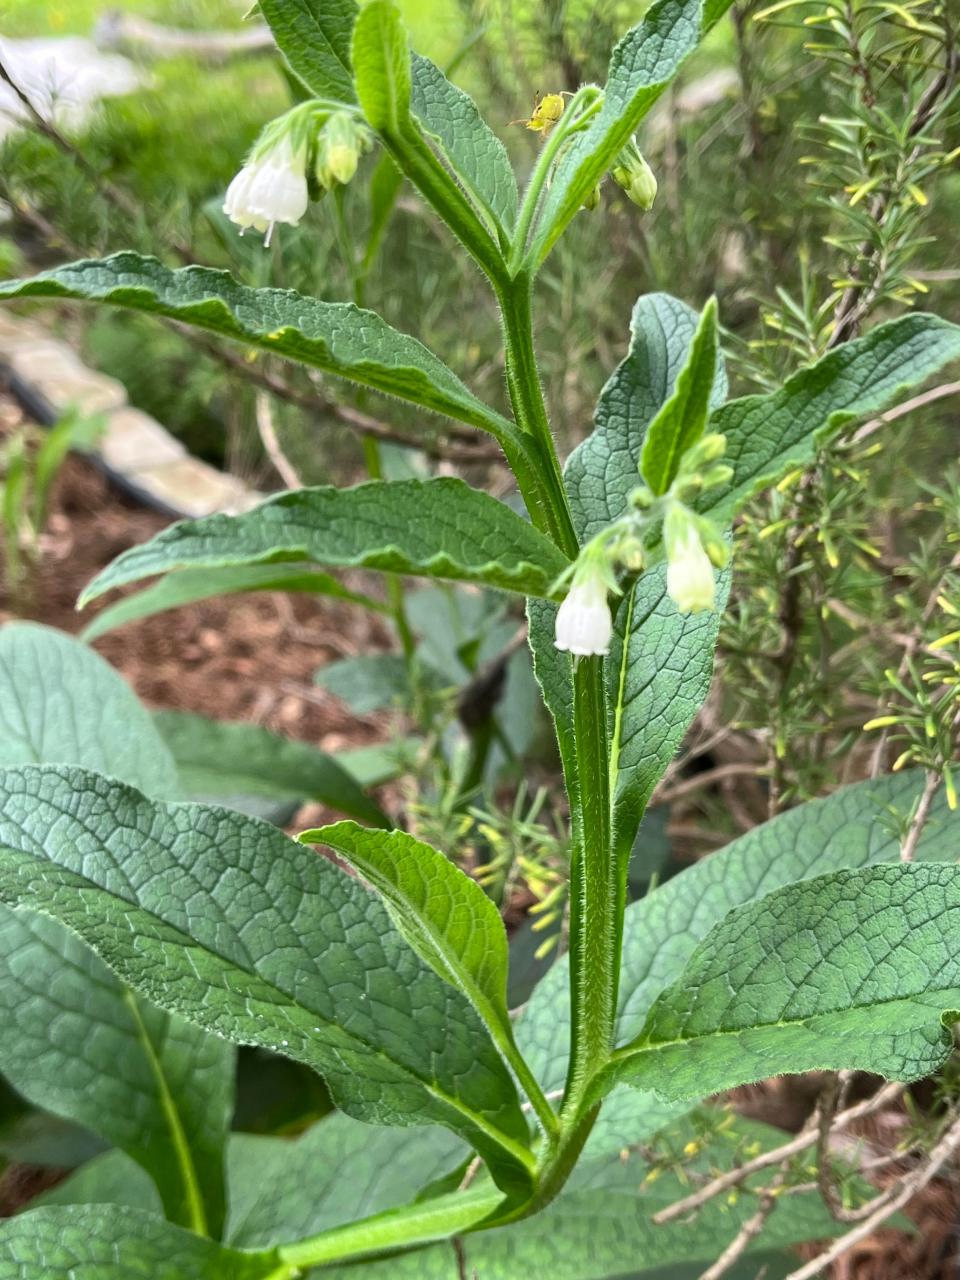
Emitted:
<point x="414" y="1224"/>
<point x="417" y="161"/>
<point x="547" y="505"/>
<point x="594" y="896"/>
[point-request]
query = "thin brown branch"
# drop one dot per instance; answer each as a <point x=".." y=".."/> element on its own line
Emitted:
<point x="268" y="438"/>
<point x="708" y="778"/>
<point x="899" y="1195"/>
<point x="930" y="788"/>
<point x="767" y="1159"/>
<point x="751" y="1228"/>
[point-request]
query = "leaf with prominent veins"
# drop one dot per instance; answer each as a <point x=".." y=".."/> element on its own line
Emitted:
<point x="110" y="1242"/>
<point x="78" y="1042"/>
<point x="848" y="829"/>
<point x="443" y="913"/>
<point x="314" y="37"/>
<point x="473" y="151"/>
<point x="856" y="970"/>
<point x="768" y="435"/>
<point x="222" y="919"/>
<point x="336" y="337"/>
<point x="436" y="528"/>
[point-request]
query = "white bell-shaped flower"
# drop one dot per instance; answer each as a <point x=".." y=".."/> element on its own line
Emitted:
<point x="690" y="578"/>
<point x="270" y="188"/>
<point x="584" y="625"/>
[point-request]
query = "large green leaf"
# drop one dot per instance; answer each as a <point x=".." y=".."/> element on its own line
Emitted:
<point x="223" y="920"/>
<point x="202" y="584"/>
<point x="851" y="828"/>
<point x="443" y="913"/>
<point x="314" y="37"/>
<point x="854" y="970"/>
<point x="472" y="150"/>
<point x="76" y="1041"/>
<point x="768" y="435"/>
<point x="110" y="1242"/>
<point x="641" y="67"/>
<point x="61" y="703"/>
<point x="218" y="760"/>
<point x="381" y="65"/>
<point x="110" y="1178"/>
<point x="336" y="337"/>
<point x="437" y="528"/>
<point x="338" y="1171"/>
<point x="680" y="421"/>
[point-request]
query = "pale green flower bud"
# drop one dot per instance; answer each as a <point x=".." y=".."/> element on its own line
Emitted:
<point x="690" y="580"/>
<point x="634" y="175"/>
<point x="340" y="144"/>
<point x="641" y="498"/>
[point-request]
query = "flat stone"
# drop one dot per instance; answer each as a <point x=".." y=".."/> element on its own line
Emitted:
<point x="54" y="371"/>
<point x="16" y="332"/>
<point x="191" y="488"/>
<point x="133" y="441"/>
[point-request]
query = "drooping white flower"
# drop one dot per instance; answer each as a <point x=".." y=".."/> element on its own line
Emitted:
<point x="584" y="625"/>
<point x="270" y="188"/>
<point x="690" y="579"/>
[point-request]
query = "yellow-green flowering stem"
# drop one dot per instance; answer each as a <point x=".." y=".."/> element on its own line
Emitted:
<point x="415" y="1224"/>
<point x="595" y="901"/>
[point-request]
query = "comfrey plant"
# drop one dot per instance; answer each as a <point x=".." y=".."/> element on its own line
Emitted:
<point x="144" y="937"/>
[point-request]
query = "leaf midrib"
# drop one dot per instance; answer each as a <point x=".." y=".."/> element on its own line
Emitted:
<point x="188" y="1170"/>
<point x="635" y="1049"/>
<point x="354" y="1042"/>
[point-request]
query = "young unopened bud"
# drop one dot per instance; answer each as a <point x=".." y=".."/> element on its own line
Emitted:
<point x="718" y="551"/>
<point x="634" y="175"/>
<point x="690" y="581"/>
<point x="630" y="553"/>
<point x="717" y="475"/>
<point x="709" y="448"/>
<point x="340" y="144"/>
<point x="592" y="200"/>
<point x="686" y="487"/>
<point x="641" y="498"/>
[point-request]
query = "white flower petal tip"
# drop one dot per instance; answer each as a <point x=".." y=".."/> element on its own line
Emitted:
<point x="584" y="626"/>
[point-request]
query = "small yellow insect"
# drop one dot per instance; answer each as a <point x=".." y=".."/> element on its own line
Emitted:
<point x="547" y="110"/>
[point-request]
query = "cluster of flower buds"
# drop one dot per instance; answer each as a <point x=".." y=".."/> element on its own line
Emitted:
<point x="634" y="175"/>
<point x="693" y="545"/>
<point x="310" y="141"/>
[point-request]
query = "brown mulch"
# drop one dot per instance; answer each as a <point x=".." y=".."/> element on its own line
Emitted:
<point x="248" y="657"/>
